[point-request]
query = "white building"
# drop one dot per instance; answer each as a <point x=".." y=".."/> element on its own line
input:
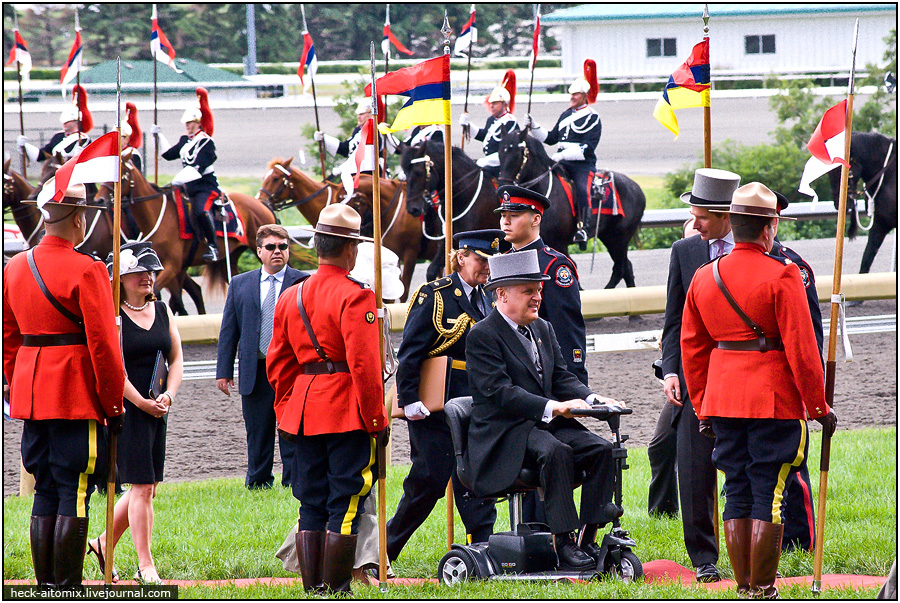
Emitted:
<point x="644" y="40"/>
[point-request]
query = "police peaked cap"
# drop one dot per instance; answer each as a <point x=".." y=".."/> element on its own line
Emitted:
<point x="516" y="198"/>
<point x="483" y="242"/>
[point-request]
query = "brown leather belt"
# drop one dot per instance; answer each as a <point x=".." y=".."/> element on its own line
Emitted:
<point x="753" y="345"/>
<point x="325" y="368"/>
<point x="46" y="341"/>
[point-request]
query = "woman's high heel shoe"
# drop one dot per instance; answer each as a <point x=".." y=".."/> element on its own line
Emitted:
<point x="148" y="577"/>
<point x="101" y="561"/>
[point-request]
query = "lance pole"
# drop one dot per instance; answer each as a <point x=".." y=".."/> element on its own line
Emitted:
<point x="78" y="73"/>
<point x="837" y="300"/>
<point x="465" y="129"/>
<point x="312" y="81"/>
<point x="379" y="311"/>
<point x="707" y="151"/>
<point x="155" y="120"/>
<point x="21" y="117"/>
<point x="116" y="243"/>
<point x="448" y="241"/>
<point x="537" y="11"/>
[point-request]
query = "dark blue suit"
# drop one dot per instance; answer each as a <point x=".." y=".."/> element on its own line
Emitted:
<point x="239" y="335"/>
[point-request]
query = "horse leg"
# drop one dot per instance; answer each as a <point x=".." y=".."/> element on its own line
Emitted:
<point x="176" y="303"/>
<point x="876" y="238"/>
<point x="618" y="251"/>
<point x="406" y="274"/>
<point x="436" y="266"/>
<point x="195" y="292"/>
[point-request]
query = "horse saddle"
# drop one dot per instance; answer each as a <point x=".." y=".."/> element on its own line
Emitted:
<point x="604" y="196"/>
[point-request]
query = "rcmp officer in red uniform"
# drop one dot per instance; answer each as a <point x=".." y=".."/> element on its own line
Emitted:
<point x="324" y="364"/>
<point x="439" y="318"/>
<point x="62" y="360"/>
<point x="763" y="332"/>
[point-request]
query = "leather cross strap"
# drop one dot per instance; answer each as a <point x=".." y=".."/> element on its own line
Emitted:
<point x="764" y="343"/>
<point x="330" y="365"/>
<point x="62" y="310"/>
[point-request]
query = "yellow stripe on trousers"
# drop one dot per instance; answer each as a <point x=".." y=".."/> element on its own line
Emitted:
<point x="80" y="509"/>
<point x="367" y="485"/>
<point x="782" y="475"/>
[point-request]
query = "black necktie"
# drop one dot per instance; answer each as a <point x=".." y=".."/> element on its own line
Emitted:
<point x="524" y="331"/>
<point x="476" y="301"/>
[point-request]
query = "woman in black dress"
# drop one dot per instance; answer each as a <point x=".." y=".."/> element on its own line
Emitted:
<point x="148" y="330"/>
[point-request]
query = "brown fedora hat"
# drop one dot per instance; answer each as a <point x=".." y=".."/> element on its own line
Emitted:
<point x="755" y="199"/>
<point x="339" y="220"/>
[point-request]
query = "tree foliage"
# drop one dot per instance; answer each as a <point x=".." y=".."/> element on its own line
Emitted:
<point x="217" y="33"/>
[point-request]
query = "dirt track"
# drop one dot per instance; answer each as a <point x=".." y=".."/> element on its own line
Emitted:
<point x="206" y="432"/>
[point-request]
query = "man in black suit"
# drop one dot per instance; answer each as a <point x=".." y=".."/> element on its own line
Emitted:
<point x="247" y="328"/>
<point x="523" y="396"/>
<point x="712" y="191"/>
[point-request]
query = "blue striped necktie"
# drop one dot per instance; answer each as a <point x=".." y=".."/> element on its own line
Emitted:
<point x="267" y="318"/>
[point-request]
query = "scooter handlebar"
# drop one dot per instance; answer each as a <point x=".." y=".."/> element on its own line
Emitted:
<point x="601" y="412"/>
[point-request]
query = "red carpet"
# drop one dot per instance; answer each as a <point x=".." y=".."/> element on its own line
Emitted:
<point x="661" y="571"/>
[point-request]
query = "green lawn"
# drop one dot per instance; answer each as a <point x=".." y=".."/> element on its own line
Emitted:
<point x="216" y="529"/>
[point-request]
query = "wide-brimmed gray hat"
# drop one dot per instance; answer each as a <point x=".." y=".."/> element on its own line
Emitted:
<point x="712" y="189"/>
<point x="514" y="269"/>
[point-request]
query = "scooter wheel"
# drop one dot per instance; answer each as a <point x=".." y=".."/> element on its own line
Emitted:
<point x="629" y="569"/>
<point x="455" y="567"/>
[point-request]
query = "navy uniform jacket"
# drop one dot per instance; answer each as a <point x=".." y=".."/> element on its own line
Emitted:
<point x="67" y="145"/>
<point x="438" y="321"/>
<point x="495" y="128"/>
<point x="581" y="128"/>
<point x="809" y="283"/>
<point x="420" y="134"/>
<point x="561" y="294"/>
<point x="198" y="152"/>
<point x="347" y="147"/>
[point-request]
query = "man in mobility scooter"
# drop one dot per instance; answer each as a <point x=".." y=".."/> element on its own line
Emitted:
<point x="514" y="435"/>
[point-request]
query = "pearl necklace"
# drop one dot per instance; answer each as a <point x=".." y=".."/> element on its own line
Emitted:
<point x="138" y="308"/>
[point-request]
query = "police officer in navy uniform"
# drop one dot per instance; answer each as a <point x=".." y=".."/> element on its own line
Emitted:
<point x="520" y="219"/>
<point x="577" y="132"/>
<point x="501" y="122"/>
<point x="197" y="152"/>
<point x="439" y="318"/>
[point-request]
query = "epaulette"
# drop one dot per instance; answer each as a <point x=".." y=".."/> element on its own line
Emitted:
<point x="90" y="254"/>
<point x="781" y="259"/>
<point x="361" y="284"/>
<point x="419" y="295"/>
<point x="441" y="283"/>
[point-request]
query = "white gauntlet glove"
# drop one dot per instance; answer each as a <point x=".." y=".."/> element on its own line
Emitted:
<point x="464" y="120"/>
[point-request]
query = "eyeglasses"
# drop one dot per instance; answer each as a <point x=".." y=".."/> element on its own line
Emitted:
<point x="273" y="246"/>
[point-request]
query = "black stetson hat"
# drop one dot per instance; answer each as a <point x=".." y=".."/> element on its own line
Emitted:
<point x="516" y="198"/>
<point x="483" y="242"/>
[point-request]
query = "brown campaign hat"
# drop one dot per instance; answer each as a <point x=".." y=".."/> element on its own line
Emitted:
<point x="339" y="220"/>
<point x="755" y="199"/>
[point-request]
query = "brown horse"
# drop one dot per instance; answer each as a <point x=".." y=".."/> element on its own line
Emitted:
<point x="285" y="186"/>
<point x="156" y="217"/>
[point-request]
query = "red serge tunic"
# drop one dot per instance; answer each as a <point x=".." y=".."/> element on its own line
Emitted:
<point x="750" y="384"/>
<point x="61" y="382"/>
<point x="342" y="314"/>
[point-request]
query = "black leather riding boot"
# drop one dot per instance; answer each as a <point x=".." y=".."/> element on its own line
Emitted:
<point x="69" y="542"/>
<point x="208" y="230"/>
<point x="310" y="553"/>
<point x="340" y="554"/>
<point x="41" y="532"/>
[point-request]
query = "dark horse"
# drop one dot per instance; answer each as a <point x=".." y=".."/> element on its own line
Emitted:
<point x="873" y="163"/>
<point x="524" y="161"/>
<point x="474" y="195"/>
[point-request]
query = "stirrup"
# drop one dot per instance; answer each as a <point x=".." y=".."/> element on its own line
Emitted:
<point x="212" y="254"/>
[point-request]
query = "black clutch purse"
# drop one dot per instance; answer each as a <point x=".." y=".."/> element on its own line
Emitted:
<point x="160" y="376"/>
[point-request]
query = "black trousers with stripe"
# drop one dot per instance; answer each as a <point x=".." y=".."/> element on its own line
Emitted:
<point x="757" y="457"/>
<point x="68" y="459"/>
<point x="332" y="476"/>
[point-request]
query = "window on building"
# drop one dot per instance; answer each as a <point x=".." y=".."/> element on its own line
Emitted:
<point x="661" y="47"/>
<point x="759" y="44"/>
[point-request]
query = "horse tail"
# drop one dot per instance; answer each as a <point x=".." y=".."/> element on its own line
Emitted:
<point x="854" y="221"/>
<point x="216" y="277"/>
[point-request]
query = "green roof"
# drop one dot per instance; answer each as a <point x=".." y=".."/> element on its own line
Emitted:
<point x="141" y="72"/>
<point x="619" y="12"/>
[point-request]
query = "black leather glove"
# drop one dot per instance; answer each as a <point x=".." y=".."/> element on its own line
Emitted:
<point x="115" y="424"/>
<point x="383" y="437"/>
<point x="706" y="429"/>
<point x="287" y="436"/>
<point x="828" y="423"/>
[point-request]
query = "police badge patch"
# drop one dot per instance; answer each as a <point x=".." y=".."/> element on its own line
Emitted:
<point x="370" y="317"/>
<point x="804" y="274"/>
<point x="564" y="277"/>
<point x="577" y="356"/>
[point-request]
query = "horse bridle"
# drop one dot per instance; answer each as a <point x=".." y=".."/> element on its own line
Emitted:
<point x="273" y="198"/>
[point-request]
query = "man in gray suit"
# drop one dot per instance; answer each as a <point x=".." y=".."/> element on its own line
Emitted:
<point x="247" y="329"/>
<point x="523" y="395"/>
<point x="712" y="191"/>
